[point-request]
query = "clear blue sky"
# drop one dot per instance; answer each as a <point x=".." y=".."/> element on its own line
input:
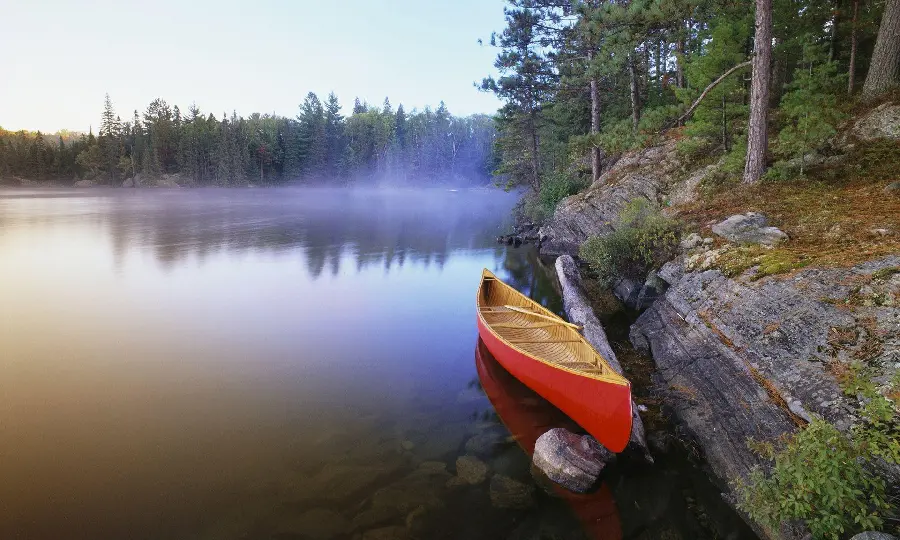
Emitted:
<point x="60" y="57"/>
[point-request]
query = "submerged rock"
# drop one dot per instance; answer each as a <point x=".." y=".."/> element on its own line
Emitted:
<point x="471" y="469"/>
<point x="318" y="524"/>
<point x="486" y="442"/>
<point x="387" y="533"/>
<point x="340" y="482"/>
<point x="572" y="461"/>
<point x="424" y="486"/>
<point x="509" y="493"/>
<point x="749" y="228"/>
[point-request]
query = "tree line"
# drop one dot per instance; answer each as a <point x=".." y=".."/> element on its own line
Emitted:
<point x="597" y="77"/>
<point x="319" y="145"/>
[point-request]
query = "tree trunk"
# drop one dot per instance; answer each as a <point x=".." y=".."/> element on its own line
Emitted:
<point x="757" y="135"/>
<point x="779" y="75"/>
<point x="884" y="72"/>
<point x="660" y="79"/>
<point x="535" y="145"/>
<point x="595" y="124"/>
<point x="835" y="21"/>
<point x="679" y="64"/>
<point x="635" y="96"/>
<point x="725" y="123"/>
<point x="851" y="82"/>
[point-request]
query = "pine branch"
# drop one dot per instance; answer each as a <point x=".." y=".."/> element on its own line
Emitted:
<point x="708" y="89"/>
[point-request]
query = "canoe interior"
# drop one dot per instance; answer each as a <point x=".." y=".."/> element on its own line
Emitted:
<point x="539" y="336"/>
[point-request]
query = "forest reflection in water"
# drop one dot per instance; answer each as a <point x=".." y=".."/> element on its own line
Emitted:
<point x="277" y="363"/>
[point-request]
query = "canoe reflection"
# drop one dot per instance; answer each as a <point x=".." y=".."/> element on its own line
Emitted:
<point x="527" y="416"/>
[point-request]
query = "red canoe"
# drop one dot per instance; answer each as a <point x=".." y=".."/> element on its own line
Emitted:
<point x="552" y="358"/>
<point x="527" y="417"/>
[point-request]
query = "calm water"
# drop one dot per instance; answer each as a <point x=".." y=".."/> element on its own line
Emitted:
<point x="293" y="363"/>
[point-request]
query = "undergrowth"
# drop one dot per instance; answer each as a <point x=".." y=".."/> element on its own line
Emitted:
<point x="642" y="239"/>
<point x="825" y="478"/>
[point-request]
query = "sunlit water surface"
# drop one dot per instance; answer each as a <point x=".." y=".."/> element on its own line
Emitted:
<point x="283" y="363"/>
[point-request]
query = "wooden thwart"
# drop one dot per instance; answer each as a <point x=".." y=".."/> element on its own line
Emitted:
<point x="508" y="308"/>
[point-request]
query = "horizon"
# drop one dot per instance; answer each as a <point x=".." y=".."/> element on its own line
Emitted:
<point x="376" y="52"/>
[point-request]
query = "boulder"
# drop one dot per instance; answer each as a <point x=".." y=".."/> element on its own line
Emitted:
<point x="129" y="182"/>
<point x="892" y="189"/>
<point x="509" y="493"/>
<point x="572" y="461"/>
<point x="882" y="122"/>
<point x="579" y="311"/>
<point x="749" y="228"/>
<point x="471" y="469"/>
<point x="84" y="183"/>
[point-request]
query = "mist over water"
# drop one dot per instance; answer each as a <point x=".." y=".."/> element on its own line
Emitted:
<point x="271" y="363"/>
<point x="166" y="355"/>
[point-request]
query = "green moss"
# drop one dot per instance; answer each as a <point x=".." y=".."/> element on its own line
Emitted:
<point x="769" y="262"/>
<point x="886" y="273"/>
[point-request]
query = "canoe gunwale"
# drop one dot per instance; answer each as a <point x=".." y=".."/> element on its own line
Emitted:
<point x="610" y="376"/>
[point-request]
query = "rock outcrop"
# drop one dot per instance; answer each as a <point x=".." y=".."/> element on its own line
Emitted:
<point x="84" y="183"/>
<point x="743" y="359"/>
<point x="594" y="211"/>
<point x="579" y="311"/>
<point x="882" y="122"/>
<point x="572" y="461"/>
<point x="874" y="536"/>
<point x="749" y="228"/>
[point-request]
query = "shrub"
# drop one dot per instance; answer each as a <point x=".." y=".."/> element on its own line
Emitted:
<point x="537" y="207"/>
<point x="557" y="187"/>
<point x="821" y="478"/>
<point x="810" y="107"/>
<point x="642" y="239"/>
<point x="618" y="137"/>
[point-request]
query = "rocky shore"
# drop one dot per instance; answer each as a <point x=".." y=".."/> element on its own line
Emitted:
<point x="743" y="353"/>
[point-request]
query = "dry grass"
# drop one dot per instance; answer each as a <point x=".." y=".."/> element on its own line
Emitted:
<point x="828" y="215"/>
<point x="707" y="319"/>
<point x="685" y="391"/>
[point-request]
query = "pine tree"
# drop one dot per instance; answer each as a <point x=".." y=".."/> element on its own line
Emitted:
<point x="810" y="107"/>
<point x="757" y="134"/>
<point x="884" y="71"/>
<point x="526" y="81"/>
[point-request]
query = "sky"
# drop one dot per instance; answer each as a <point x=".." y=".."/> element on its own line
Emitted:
<point x="60" y="57"/>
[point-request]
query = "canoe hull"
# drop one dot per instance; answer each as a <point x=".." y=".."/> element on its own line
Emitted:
<point x="602" y="408"/>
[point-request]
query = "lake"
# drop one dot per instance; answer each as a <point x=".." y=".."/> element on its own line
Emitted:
<point x="281" y="363"/>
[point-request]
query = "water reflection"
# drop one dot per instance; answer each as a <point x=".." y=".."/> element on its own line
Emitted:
<point x="527" y="416"/>
<point x="328" y="228"/>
